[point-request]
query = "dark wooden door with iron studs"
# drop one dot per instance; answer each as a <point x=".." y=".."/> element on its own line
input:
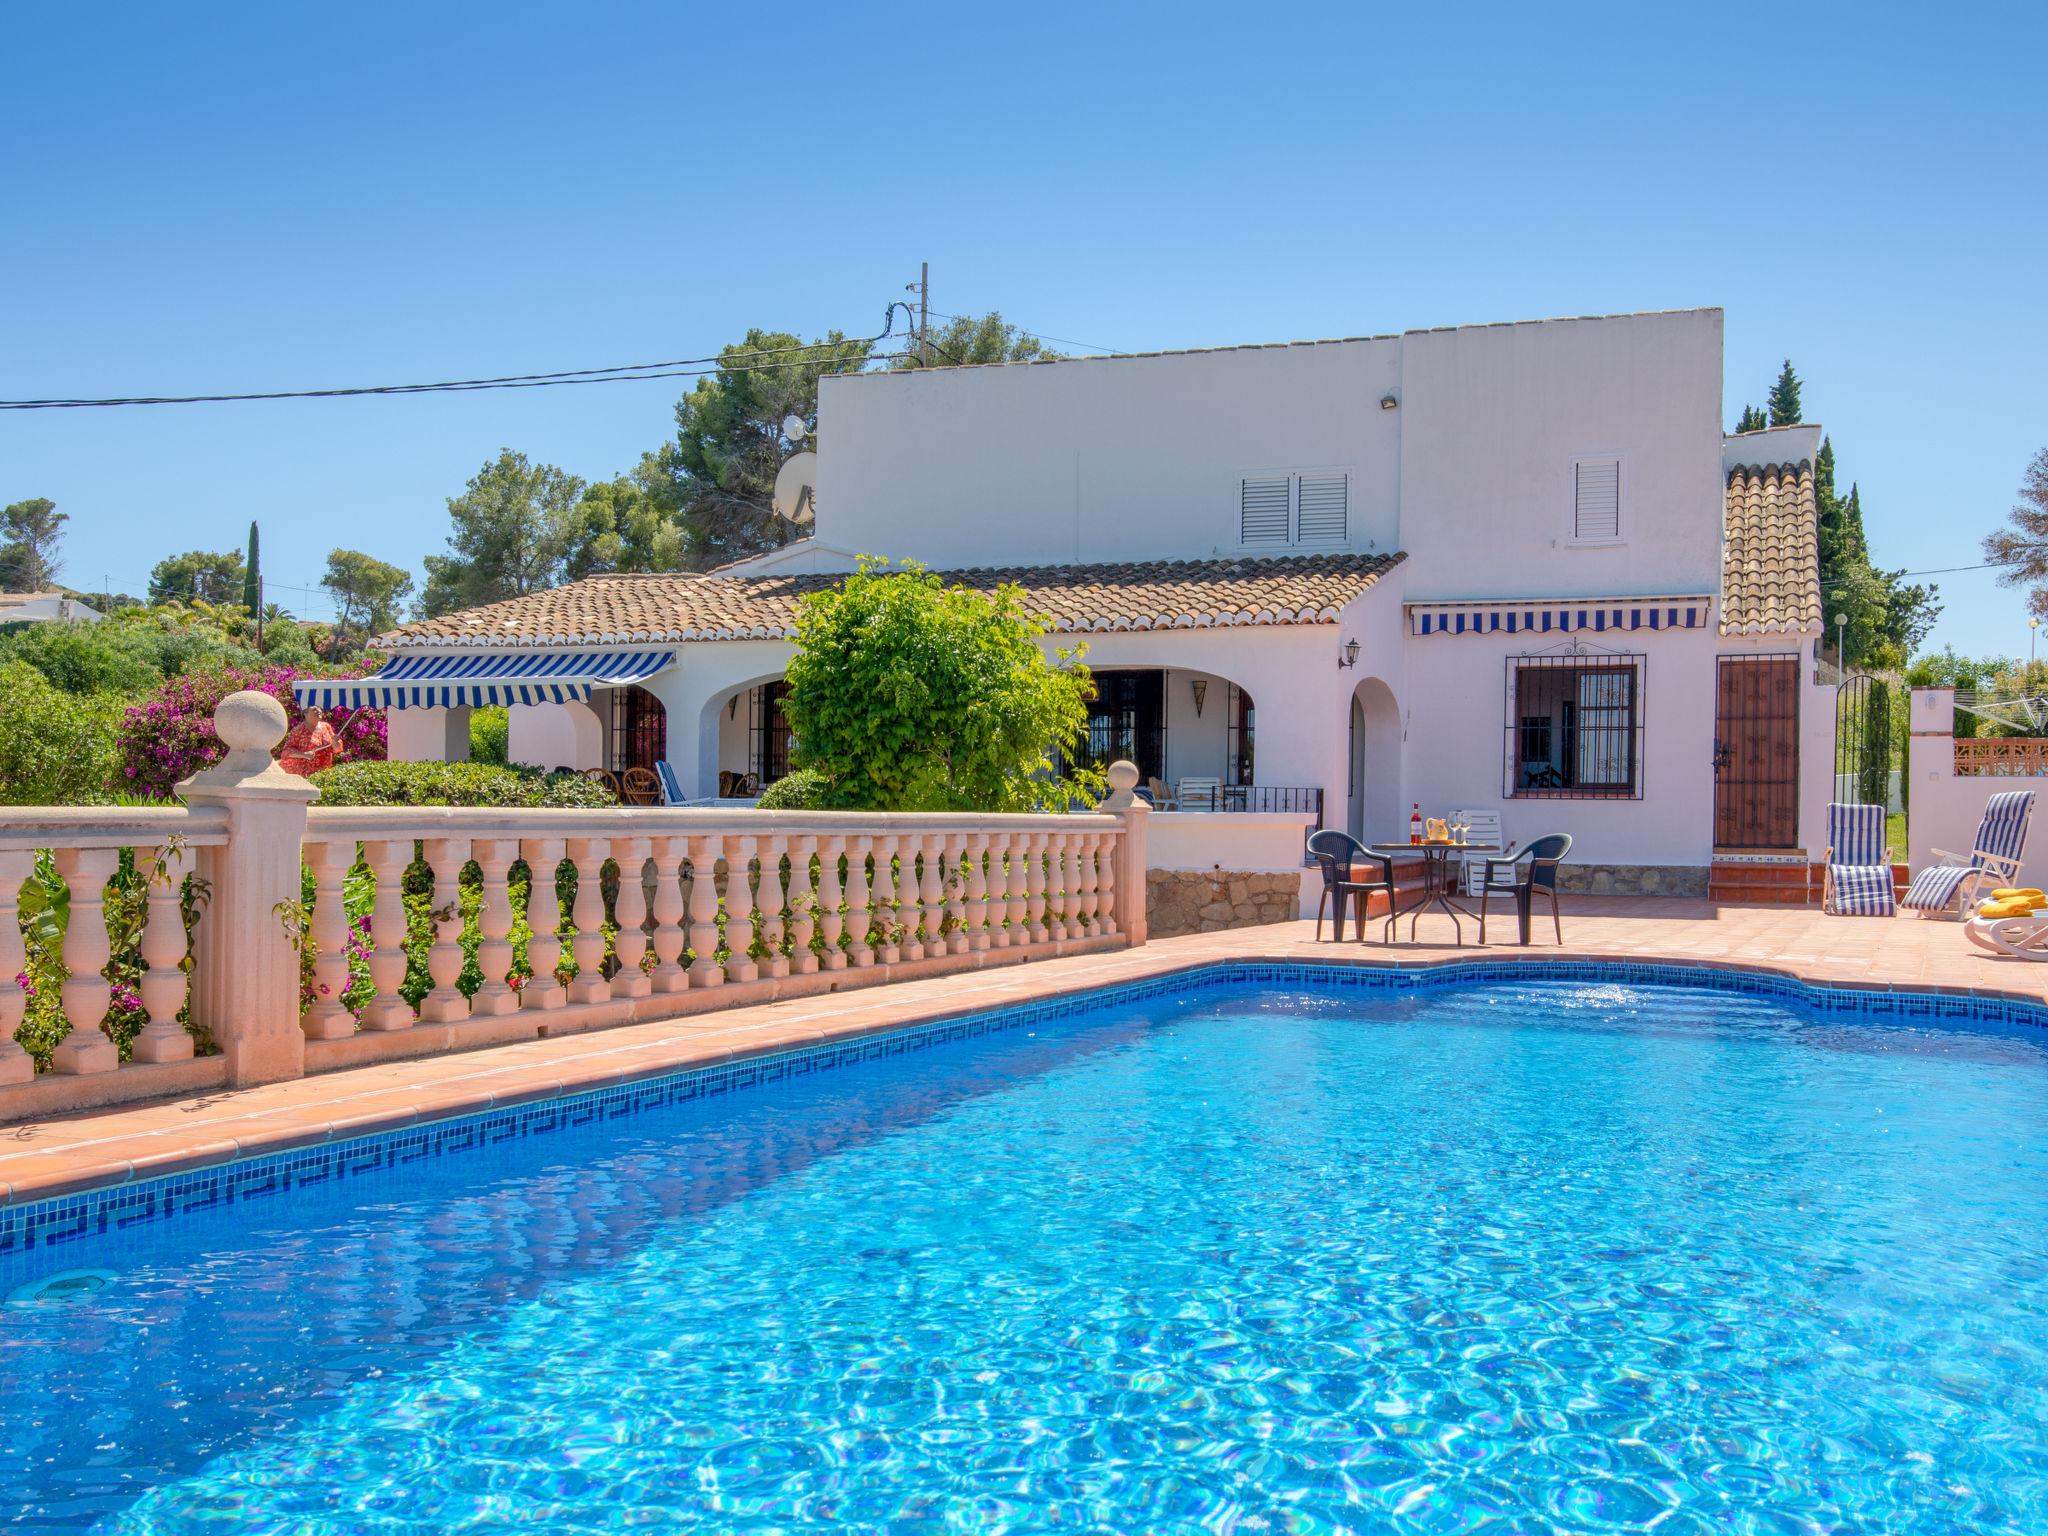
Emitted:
<point x="1756" y="753"/>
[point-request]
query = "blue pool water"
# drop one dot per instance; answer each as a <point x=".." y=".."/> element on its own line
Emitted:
<point x="1518" y="1257"/>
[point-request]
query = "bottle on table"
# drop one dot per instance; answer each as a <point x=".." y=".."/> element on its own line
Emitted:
<point x="1415" y="825"/>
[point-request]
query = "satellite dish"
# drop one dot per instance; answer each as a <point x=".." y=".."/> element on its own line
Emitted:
<point x="795" y="428"/>
<point x="796" y="488"/>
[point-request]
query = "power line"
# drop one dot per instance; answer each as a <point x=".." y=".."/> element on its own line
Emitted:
<point x="618" y="374"/>
<point x="1068" y="341"/>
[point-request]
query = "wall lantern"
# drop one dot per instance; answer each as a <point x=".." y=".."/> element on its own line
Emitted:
<point x="1389" y="402"/>
<point x="1350" y="656"/>
<point x="1201" y="687"/>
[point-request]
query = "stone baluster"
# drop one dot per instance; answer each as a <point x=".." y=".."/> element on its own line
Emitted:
<point x="494" y="858"/>
<point x="544" y="917"/>
<point x="1077" y="923"/>
<point x="16" y="1065"/>
<point x="831" y="924"/>
<point x="803" y="906"/>
<point x="886" y="900"/>
<point x="88" y="1048"/>
<point x="590" y="986"/>
<point x="953" y="885"/>
<point x="772" y="906"/>
<point x="977" y="891"/>
<point x="1056" y="885"/>
<point x="1034" y="886"/>
<point x="1105" y="884"/>
<point x="1084" y="881"/>
<point x="386" y="1009"/>
<point x="446" y="1004"/>
<point x="931" y="892"/>
<point x="326" y="1016"/>
<point x="669" y="938"/>
<point x="739" y="909"/>
<point x="1017" y="904"/>
<point x="860" y="915"/>
<point x="631" y="942"/>
<point x="705" y="971"/>
<point x="162" y="990"/>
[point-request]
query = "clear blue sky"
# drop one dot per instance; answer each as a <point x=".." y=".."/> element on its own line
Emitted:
<point x="232" y="198"/>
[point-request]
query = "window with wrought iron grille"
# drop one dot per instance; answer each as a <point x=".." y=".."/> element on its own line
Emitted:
<point x="1311" y="506"/>
<point x="1574" y="727"/>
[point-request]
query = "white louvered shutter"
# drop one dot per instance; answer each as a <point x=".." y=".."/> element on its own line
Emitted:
<point x="1262" y="509"/>
<point x="1324" y="508"/>
<point x="1596" y="505"/>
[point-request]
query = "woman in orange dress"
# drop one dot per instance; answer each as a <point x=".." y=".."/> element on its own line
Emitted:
<point x="309" y="746"/>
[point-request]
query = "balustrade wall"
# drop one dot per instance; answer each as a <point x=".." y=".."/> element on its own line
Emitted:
<point x="246" y="937"/>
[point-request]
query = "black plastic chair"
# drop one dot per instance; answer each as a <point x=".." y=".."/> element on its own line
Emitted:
<point x="1336" y="853"/>
<point x="1533" y="869"/>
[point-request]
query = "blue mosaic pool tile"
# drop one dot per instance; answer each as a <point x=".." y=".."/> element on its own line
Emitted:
<point x="43" y="1225"/>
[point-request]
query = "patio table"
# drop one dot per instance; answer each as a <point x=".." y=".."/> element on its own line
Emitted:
<point x="1438" y="880"/>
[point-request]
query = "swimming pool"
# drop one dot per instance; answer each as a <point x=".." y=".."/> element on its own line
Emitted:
<point x="1270" y="1250"/>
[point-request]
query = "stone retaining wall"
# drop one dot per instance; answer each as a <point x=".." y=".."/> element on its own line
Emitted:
<point x="1632" y="879"/>
<point x="1196" y="901"/>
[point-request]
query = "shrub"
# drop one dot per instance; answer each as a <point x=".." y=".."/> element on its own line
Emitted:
<point x="490" y="735"/>
<point x="108" y="657"/>
<point x="170" y="736"/>
<point x="457" y="784"/>
<point x="55" y="747"/>
<point x="803" y="790"/>
<point x="911" y="696"/>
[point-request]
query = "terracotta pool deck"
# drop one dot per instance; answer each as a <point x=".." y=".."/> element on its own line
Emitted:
<point x="39" y="1159"/>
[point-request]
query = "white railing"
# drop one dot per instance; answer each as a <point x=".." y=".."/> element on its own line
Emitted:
<point x="456" y="927"/>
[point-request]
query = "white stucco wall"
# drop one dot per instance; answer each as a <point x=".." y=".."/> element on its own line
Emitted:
<point x="427" y="735"/>
<point x="1251" y="843"/>
<point x="1493" y="418"/>
<point x="554" y="735"/>
<point x="1943" y="810"/>
<point x="1116" y="459"/>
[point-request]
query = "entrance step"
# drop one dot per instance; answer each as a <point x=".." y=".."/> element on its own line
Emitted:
<point x="1777" y="882"/>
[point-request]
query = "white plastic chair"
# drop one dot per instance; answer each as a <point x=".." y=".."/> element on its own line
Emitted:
<point x="1485" y="828"/>
<point x="1200" y="795"/>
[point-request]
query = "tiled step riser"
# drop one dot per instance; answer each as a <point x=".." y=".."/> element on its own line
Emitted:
<point x="1777" y="884"/>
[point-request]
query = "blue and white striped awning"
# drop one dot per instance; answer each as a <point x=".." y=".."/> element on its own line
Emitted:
<point x="495" y="677"/>
<point x="1559" y="616"/>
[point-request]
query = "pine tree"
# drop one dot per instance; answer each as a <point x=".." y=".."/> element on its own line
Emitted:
<point x="252" y="579"/>
<point x="1784" y="397"/>
<point x="1752" y="420"/>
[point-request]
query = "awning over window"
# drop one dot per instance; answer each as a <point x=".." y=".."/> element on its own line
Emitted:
<point x="500" y="677"/>
<point x="1559" y="616"/>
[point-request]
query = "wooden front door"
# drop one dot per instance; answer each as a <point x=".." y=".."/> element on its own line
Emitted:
<point x="1756" y="753"/>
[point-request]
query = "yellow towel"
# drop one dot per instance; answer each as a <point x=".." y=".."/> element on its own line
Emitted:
<point x="2015" y="892"/>
<point x="2017" y="907"/>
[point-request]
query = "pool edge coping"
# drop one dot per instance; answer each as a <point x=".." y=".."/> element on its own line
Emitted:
<point x="683" y="1055"/>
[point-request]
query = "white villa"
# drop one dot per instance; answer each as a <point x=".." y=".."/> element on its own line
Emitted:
<point x="1512" y="567"/>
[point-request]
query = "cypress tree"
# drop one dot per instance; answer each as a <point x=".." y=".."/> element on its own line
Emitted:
<point x="252" y="581"/>
<point x="1752" y="420"/>
<point x="1784" y="397"/>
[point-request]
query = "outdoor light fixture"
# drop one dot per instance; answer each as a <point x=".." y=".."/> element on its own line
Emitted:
<point x="1388" y="402"/>
<point x="1350" y="656"/>
<point x="1201" y="688"/>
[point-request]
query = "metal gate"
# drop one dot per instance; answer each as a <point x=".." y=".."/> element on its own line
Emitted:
<point x="1756" y="753"/>
<point x="1870" y="739"/>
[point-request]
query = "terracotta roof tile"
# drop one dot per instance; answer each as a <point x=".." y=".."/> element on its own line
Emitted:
<point x="1770" y="563"/>
<point x="1158" y="594"/>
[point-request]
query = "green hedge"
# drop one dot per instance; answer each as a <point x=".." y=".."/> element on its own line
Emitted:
<point x="457" y="784"/>
<point x="803" y="790"/>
